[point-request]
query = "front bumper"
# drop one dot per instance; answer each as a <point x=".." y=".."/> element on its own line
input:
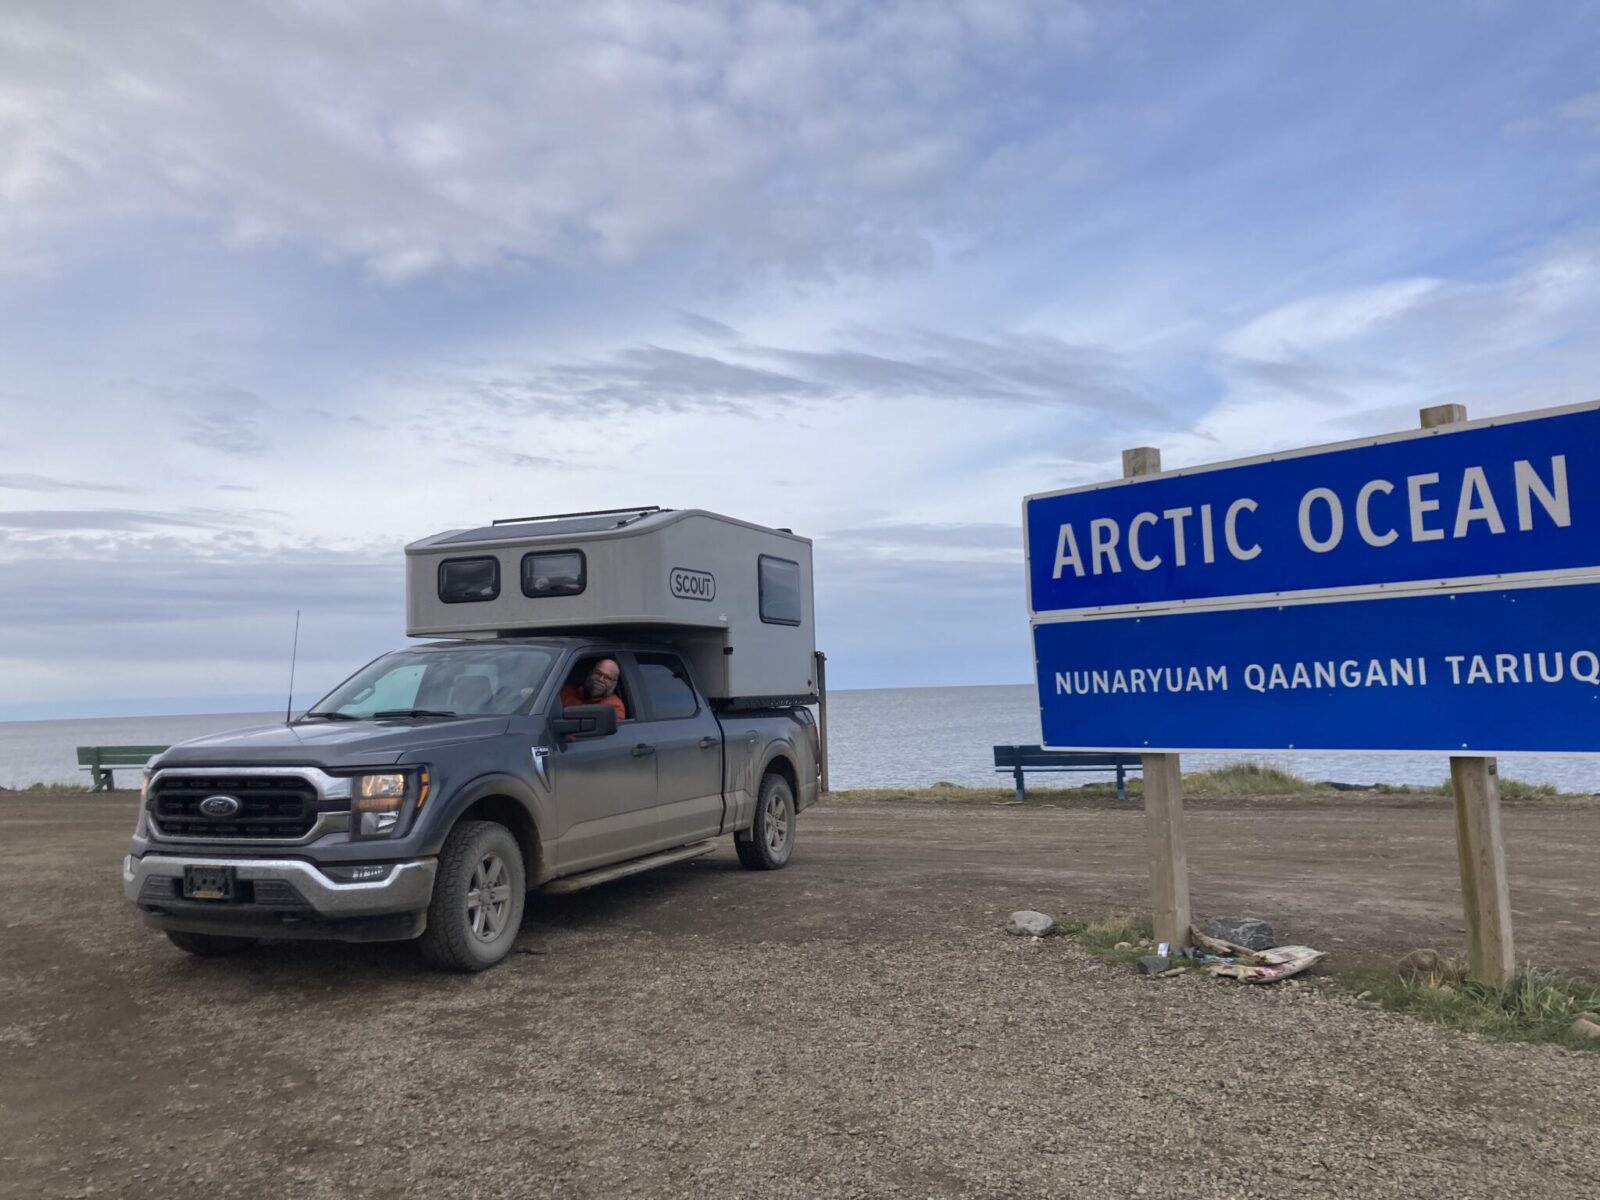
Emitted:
<point x="283" y="898"/>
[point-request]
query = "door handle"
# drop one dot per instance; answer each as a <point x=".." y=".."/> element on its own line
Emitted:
<point x="707" y="742"/>
<point x="643" y="749"/>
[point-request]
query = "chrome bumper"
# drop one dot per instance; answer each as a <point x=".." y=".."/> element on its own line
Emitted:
<point x="406" y="888"/>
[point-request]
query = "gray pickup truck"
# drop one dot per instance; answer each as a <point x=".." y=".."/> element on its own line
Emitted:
<point x="424" y="796"/>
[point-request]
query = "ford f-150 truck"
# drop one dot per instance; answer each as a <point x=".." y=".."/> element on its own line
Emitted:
<point x="426" y="794"/>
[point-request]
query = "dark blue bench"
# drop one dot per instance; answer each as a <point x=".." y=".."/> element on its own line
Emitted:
<point x="1018" y="759"/>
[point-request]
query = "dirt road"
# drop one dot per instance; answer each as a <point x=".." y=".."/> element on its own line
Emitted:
<point x="855" y="1025"/>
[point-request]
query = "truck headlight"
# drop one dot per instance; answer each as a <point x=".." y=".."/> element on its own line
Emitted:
<point x="144" y="796"/>
<point x="379" y="802"/>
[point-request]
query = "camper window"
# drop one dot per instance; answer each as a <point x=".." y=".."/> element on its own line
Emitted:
<point x="779" y="580"/>
<point x="466" y="580"/>
<point x="554" y="573"/>
<point x="666" y="687"/>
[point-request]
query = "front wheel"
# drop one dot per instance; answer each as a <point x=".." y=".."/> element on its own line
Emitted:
<point x="770" y="841"/>
<point x="478" y="896"/>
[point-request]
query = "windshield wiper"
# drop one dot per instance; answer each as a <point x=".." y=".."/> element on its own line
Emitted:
<point x="328" y="715"/>
<point x="410" y="712"/>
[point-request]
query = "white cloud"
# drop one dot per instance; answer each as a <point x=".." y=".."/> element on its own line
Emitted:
<point x="1364" y="361"/>
<point x="1319" y="321"/>
<point x="1584" y="109"/>
<point x="414" y="134"/>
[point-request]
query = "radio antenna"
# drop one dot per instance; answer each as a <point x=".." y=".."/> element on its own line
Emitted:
<point x="288" y="706"/>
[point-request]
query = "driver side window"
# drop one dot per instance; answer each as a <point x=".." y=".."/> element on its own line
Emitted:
<point x="575" y="689"/>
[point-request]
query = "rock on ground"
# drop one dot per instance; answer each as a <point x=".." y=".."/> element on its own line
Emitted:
<point x="1429" y="966"/>
<point x="1250" y="932"/>
<point x="1029" y="922"/>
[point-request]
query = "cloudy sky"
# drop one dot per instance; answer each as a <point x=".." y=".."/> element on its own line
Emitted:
<point x="284" y="286"/>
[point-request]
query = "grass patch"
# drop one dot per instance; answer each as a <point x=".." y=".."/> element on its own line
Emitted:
<point x="1245" y="779"/>
<point x="1101" y="938"/>
<point x="1536" y="1007"/>
<point x="1510" y="789"/>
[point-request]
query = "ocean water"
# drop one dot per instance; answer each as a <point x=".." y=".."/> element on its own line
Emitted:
<point x="888" y="737"/>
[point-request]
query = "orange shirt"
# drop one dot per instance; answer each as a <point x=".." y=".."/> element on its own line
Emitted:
<point x="572" y="694"/>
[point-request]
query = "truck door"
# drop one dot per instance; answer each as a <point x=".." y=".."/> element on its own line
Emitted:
<point x="688" y="750"/>
<point x="605" y="788"/>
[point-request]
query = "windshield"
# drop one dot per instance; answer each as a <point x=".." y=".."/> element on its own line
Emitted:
<point x="459" y="681"/>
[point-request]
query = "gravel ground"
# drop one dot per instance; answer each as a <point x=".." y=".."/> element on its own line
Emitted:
<point x="856" y="1025"/>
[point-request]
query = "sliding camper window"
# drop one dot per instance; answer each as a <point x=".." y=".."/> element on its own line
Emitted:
<point x="554" y="573"/>
<point x="779" y="580"/>
<point x="468" y="580"/>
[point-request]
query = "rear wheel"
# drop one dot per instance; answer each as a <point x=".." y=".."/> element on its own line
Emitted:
<point x="208" y="945"/>
<point x="769" y="844"/>
<point x="478" y="897"/>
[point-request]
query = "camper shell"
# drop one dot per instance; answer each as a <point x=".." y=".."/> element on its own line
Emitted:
<point x="732" y="597"/>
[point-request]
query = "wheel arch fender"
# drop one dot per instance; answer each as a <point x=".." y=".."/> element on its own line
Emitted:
<point x="779" y="759"/>
<point x="504" y="799"/>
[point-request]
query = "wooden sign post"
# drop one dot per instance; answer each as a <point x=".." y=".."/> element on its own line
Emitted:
<point x="1475" y="782"/>
<point x="1163" y="797"/>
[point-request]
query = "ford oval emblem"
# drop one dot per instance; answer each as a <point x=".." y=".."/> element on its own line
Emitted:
<point x="220" y="806"/>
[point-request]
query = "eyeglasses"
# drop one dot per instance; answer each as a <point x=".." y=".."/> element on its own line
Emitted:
<point x="602" y="676"/>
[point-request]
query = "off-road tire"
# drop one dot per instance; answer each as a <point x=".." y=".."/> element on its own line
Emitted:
<point x="208" y="945"/>
<point x="769" y="843"/>
<point x="478" y="895"/>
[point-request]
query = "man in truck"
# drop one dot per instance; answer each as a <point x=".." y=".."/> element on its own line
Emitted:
<point x="598" y="687"/>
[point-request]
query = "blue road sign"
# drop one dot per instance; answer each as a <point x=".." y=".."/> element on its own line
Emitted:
<point x="1483" y="501"/>
<point x="1478" y="672"/>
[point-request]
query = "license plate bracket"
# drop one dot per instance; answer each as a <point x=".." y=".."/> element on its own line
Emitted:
<point x="209" y="883"/>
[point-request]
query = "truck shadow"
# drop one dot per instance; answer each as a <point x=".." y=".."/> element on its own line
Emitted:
<point x="679" y="898"/>
<point x="621" y="900"/>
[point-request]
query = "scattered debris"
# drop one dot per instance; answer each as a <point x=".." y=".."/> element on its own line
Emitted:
<point x="1154" y="964"/>
<point x="1230" y="960"/>
<point x="1250" y="932"/>
<point x="1028" y="923"/>
<point x="1268" y="966"/>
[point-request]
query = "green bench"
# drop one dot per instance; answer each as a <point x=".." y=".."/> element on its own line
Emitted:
<point x="99" y="760"/>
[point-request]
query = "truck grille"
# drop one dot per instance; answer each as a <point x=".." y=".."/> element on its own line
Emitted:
<point x="270" y="806"/>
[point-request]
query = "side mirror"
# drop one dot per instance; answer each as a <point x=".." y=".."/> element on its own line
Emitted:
<point x="585" y="721"/>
